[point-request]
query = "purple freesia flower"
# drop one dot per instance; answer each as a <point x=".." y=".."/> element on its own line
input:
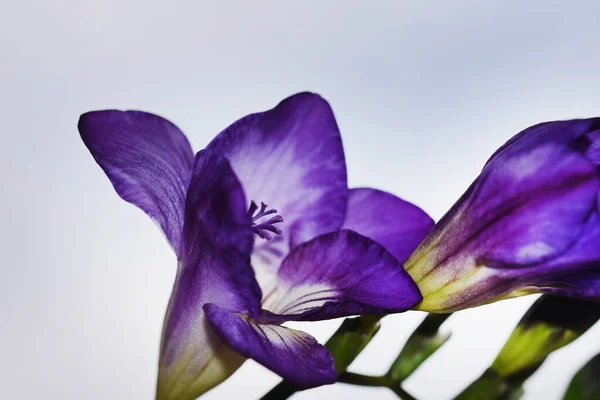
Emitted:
<point x="243" y="267"/>
<point x="529" y="223"/>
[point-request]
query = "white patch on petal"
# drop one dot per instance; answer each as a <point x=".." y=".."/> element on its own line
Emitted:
<point x="298" y="299"/>
<point x="280" y="336"/>
<point x="534" y="250"/>
<point x="266" y="260"/>
<point x="522" y="167"/>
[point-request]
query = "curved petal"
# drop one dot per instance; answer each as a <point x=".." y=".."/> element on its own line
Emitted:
<point x="214" y="267"/>
<point x="291" y="158"/>
<point x="147" y="159"/>
<point x="538" y="204"/>
<point x="397" y="225"/>
<point x="592" y="150"/>
<point x="294" y="355"/>
<point x="577" y="272"/>
<point x="336" y="275"/>
<point x="585" y="285"/>
<point x="563" y="133"/>
<point x="581" y="135"/>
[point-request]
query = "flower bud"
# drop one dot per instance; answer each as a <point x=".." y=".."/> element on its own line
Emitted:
<point x="528" y="224"/>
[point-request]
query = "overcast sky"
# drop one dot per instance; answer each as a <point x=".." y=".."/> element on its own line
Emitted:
<point x="423" y="92"/>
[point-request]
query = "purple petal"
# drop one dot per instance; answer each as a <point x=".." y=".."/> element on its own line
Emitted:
<point x="216" y="218"/>
<point x="535" y="206"/>
<point x="214" y="268"/>
<point x="585" y="286"/>
<point x="581" y="135"/>
<point x="576" y="273"/>
<point x="291" y="158"/>
<point x="562" y="133"/>
<point x="397" y="225"/>
<point x="294" y="355"/>
<point x="592" y="152"/>
<point x="147" y="159"/>
<point x="336" y="275"/>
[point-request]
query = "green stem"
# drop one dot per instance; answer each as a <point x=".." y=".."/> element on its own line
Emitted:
<point x="432" y="323"/>
<point x="365" y="380"/>
<point x="421" y="345"/>
<point x="283" y="390"/>
<point x="376" y="381"/>
<point x="401" y="393"/>
<point x="351" y="338"/>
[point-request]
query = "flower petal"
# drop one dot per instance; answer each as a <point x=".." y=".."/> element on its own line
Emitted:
<point x="576" y="273"/>
<point x="294" y="355"/>
<point x="147" y="159"/>
<point x="563" y="133"/>
<point x="336" y="275"/>
<point x="397" y="225"/>
<point x="536" y="205"/>
<point x="291" y="158"/>
<point x="581" y="135"/>
<point x="214" y="267"/>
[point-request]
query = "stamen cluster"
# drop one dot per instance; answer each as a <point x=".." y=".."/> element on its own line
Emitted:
<point x="262" y="229"/>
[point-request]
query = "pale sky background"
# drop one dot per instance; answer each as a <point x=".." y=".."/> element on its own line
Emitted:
<point x="423" y="91"/>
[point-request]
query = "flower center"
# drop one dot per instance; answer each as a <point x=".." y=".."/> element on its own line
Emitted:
<point x="263" y="228"/>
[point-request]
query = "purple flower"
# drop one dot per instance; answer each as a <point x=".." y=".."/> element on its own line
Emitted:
<point x="529" y="223"/>
<point x="265" y="231"/>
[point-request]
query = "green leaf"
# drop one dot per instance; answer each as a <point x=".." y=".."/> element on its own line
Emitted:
<point x="586" y="383"/>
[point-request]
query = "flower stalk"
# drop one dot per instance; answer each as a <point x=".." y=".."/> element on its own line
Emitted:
<point x="421" y="345"/>
<point x="551" y="323"/>
<point x="376" y="381"/>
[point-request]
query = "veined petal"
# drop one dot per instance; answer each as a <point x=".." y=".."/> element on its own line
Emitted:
<point x="294" y="355"/>
<point x="291" y="158"/>
<point x="214" y="267"/>
<point x="147" y="159"/>
<point x="397" y="225"/>
<point x="336" y="275"/>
